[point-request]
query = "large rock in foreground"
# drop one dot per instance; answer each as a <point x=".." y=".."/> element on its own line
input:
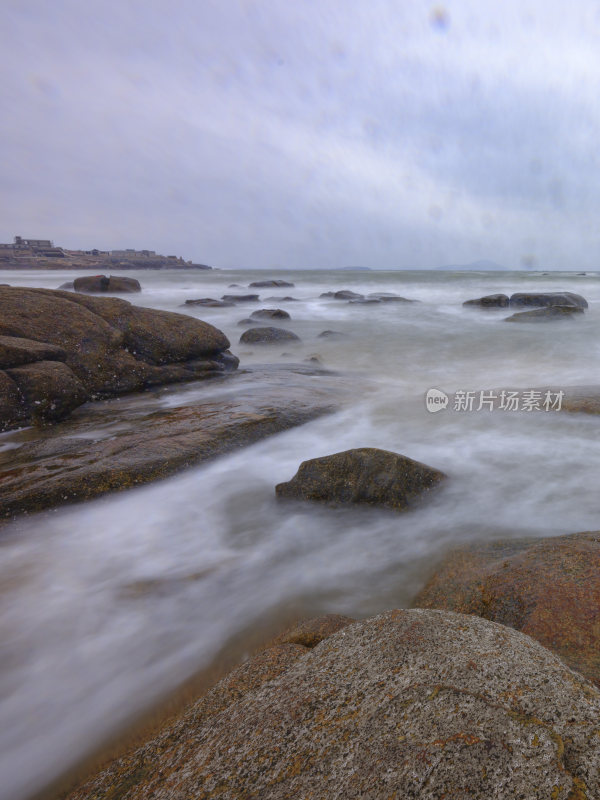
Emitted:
<point x="547" y="588"/>
<point x="408" y="705"/>
<point x="99" y="346"/>
<point x="365" y="476"/>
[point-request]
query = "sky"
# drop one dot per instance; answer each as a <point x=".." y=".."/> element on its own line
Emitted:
<point x="315" y="133"/>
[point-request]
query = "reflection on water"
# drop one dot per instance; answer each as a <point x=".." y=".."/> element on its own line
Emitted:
<point x="109" y="603"/>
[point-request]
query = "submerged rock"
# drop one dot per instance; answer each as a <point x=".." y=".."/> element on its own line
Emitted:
<point x="547" y="588"/>
<point x="270" y="313"/>
<point x="343" y="294"/>
<point x="365" y="301"/>
<point x="66" y="285"/>
<point x="208" y="302"/>
<point x="332" y="335"/>
<point x="389" y="297"/>
<point x="267" y="336"/>
<point x="548" y="314"/>
<point x="363" y="476"/>
<point x="545" y="299"/>
<point x="240" y="298"/>
<point x="489" y="301"/>
<point x="277" y="284"/>
<point x="409" y="704"/>
<point x="102" y="283"/>
<point x="278" y="299"/>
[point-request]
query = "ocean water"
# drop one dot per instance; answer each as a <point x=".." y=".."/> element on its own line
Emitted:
<point x="107" y="605"/>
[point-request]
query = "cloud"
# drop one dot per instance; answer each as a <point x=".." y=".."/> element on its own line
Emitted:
<point x="304" y="134"/>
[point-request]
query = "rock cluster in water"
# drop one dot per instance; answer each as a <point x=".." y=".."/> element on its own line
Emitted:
<point x="59" y="349"/>
<point x="546" y="305"/>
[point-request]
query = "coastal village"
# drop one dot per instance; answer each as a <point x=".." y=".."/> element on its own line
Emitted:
<point x="43" y="254"/>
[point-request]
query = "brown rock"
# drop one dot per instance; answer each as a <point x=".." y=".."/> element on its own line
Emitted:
<point x="365" y="475"/>
<point x="408" y="705"/>
<point x="15" y="351"/>
<point x="547" y="588"/>
<point x="13" y="409"/>
<point x="267" y="336"/>
<point x="110" y="345"/>
<point x="49" y="389"/>
<point x="100" y="283"/>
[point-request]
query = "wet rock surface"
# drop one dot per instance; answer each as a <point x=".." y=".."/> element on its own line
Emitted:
<point x="50" y="390"/>
<point x="15" y="351"/>
<point x="275" y="284"/>
<point x="408" y="704"/>
<point x="362" y="476"/>
<point x="103" y="283"/>
<point x="549" y="314"/>
<point x="110" y="346"/>
<point x="267" y="336"/>
<point x="240" y="298"/>
<point x="121" y="443"/>
<point x="208" y="302"/>
<point x="547" y="588"/>
<point x="544" y="299"/>
<point x="343" y="294"/>
<point x="389" y="297"/>
<point x="270" y="313"/>
<point x="489" y="301"/>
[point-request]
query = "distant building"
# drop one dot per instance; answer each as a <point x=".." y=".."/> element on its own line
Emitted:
<point x="131" y="253"/>
<point x="37" y="244"/>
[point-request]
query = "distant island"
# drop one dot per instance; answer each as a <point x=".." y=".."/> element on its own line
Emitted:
<point x="42" y="254"/>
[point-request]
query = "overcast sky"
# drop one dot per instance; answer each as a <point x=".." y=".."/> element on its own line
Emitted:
<point x="314" y="133"/>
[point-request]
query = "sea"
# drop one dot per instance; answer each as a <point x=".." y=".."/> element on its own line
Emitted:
<point x="108" y="606"/>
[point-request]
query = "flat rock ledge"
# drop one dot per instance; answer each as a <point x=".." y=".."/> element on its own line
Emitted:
<point x="122" y="443"/>
<point x="409" y="704"/>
